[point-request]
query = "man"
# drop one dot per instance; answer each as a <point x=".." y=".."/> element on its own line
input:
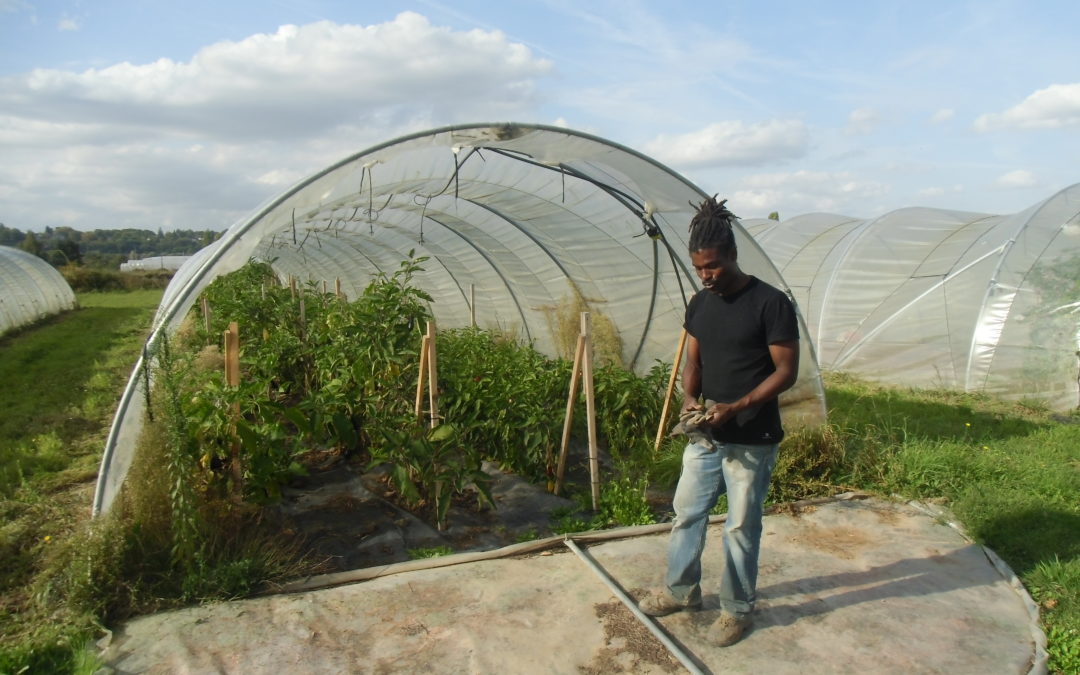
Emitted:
<point x="742" y="352"/>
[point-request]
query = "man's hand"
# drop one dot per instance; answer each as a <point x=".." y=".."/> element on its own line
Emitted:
<point x="691" y="405"/>
<point x="719" y="413"/>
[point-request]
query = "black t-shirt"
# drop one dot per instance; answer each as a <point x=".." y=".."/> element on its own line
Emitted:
<point x="734" y="333"/>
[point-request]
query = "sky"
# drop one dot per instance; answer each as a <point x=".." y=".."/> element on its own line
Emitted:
<point x="166" y="114"/>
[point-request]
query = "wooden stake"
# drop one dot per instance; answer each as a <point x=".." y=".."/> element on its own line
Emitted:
<point x="472" y="305"/>
<point x="433" y="375"/>
<point x="670" y="389"/>
<point x="232" y="355"/>
<point x="571" y="399"/>
<point x="421" y="378"/>
<point x="324" y="286"/>
<point x="590" y="410"/>
<point x="206" y="314"/>
<point x="232" y="379"/>
<point x="337" y="287"/>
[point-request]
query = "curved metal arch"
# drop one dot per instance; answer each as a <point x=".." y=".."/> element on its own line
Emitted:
<point x="398" y="230"/>
<point x="521" y="312"/>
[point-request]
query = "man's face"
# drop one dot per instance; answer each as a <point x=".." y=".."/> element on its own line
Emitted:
<point x="718" y="269"/>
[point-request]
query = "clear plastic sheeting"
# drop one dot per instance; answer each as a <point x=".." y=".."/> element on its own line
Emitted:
<point x="30" y="289"/>
<point x="534" y="222"/>
<point x="935" y="298"/>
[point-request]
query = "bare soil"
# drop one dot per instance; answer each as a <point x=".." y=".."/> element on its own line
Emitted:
<point x="352" y="518"/>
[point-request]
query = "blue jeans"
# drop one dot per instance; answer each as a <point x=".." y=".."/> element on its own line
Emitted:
<point x="709" y="469"/>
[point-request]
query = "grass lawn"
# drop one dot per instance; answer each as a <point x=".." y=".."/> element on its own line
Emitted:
<point x="63" y="378"/>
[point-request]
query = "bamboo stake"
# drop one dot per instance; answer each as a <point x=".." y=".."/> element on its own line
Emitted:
<point x="433" y="406"/>
<point x="670" y="389"/>
<point x="571" y="399"/>
<point x="420" y="379"/>
<point x="590" y="410"/>
<point x="433" y="375"/>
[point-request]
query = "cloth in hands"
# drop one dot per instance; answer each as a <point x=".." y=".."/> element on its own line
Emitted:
<point x="692" y="424"/>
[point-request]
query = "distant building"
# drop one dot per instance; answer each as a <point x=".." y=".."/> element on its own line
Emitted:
<point x="160" y="262"/>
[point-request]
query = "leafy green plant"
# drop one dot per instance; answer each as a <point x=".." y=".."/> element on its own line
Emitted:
<point x="500" y="393"/>
<point x="433" y="552"/>
<point x="628" y="411"/>
<point x="623" y="502"/>
<point x="181" y="457"/>
<point x="429" y="468"/>
<point x="528" y="535"/>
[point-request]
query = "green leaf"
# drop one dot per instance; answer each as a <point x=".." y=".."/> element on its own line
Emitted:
<point x="441" y="432"/>
<point x="297" y="417"/>
<point x="344" y="429"/>
<point x="404" y="484"/>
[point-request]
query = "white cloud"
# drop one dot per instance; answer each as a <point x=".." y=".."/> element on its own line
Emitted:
<point x="1016" y="179"/>
<point x="804" y="191"/>
<point x="1054" y="107"/>
<point x="295" y="82"/>
<point x="200" y="142"/>
<point x="938" y="191"/>
<point x="67" y="23"/>
<point x="732" y="143"/>
<point x="943" y="115"/>
<point x="863" y="121"/>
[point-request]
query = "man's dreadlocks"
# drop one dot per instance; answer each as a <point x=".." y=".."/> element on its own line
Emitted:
<point x="711" y="226"/>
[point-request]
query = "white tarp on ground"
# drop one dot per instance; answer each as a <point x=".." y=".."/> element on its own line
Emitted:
<point x="845" y="587"/>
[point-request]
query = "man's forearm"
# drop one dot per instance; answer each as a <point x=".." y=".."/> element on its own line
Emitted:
<point x="691" y="384"/>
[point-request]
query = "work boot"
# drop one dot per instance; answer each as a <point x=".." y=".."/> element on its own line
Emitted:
<point x="728" y="629"/>
<point x="660" y="602"/>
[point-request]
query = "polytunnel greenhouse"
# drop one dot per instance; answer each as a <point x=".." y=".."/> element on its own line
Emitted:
<point x="30" y="289"/>
<point x="524" y="226"/>
<point x="935" y="298"/>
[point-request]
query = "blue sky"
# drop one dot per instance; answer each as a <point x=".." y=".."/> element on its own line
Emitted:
<point x="148" y="114"/>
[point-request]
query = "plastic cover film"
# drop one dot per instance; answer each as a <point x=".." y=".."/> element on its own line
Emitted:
<point x="30" y="289"/>
<point x="936" y="298"/>
<point x="535" y="222"/>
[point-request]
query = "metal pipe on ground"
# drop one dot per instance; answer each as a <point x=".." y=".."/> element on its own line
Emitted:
<point x="644" y="618"/>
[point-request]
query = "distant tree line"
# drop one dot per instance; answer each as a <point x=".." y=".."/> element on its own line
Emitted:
<point x="104" y="249"/>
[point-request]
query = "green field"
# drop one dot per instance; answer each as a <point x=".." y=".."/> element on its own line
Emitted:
<point x="1010" y="473"/>
<point x="63" y="378"/>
